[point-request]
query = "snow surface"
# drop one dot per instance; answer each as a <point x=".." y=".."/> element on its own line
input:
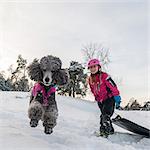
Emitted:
<point x="77" y="122"/>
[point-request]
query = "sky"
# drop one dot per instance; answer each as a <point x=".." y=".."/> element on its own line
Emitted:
<point x="61" y="28"/>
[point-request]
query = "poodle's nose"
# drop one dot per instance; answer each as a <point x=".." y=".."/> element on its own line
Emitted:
<point x="47" y="79"/>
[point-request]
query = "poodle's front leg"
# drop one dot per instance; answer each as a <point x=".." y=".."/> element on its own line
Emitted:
<point x="35" y="112"/>
<point x="50" y="118"/>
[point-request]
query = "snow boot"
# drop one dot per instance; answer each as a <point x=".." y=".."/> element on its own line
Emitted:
<point x="109" y="128"/>
<point x="103" y="131"/>
<point x="106" y="125"/>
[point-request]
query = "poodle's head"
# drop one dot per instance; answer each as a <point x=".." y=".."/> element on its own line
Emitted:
<point x="48" y="70"/>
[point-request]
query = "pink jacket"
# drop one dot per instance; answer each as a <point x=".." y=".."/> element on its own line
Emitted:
<point x="103" y="87"/>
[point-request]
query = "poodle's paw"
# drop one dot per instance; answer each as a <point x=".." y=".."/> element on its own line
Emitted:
<point x="48" y="130"/>
<point x="33" y="123"/>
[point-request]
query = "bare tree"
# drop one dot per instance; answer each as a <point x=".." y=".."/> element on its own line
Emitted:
<point x="95" y="50"/>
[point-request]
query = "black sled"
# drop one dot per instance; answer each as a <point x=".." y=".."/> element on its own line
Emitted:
<point x="131" y="126"/>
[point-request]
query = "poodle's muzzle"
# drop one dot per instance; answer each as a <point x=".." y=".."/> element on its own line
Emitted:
<point x="47" y="77"/>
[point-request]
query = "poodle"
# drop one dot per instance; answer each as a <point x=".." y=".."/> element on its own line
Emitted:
<point x="47" y="73"/>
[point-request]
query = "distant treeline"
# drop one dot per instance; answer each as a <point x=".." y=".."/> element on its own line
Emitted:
<point x="134" y="105"/>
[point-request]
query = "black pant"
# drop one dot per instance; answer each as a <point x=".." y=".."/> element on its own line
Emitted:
<point x="107" y="106"/>
<point x="107" y="110"/>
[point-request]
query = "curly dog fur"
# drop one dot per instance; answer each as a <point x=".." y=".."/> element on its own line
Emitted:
<point x="47" y="72"/>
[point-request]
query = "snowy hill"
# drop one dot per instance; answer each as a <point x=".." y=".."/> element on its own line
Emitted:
<point x="76" y="123"/>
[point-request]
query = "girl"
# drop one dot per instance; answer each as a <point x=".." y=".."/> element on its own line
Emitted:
<point x="106" y="94"/>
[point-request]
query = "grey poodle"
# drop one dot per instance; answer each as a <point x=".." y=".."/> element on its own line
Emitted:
<point x="47" y="73"/>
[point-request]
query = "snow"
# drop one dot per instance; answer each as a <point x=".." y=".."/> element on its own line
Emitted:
<point x="74" y="131"/>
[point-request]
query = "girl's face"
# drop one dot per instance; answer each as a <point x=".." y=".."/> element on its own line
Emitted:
<point x="94" y="69"/>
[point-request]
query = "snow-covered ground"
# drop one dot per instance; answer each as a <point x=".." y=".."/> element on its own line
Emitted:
<point x="76" y="123"/>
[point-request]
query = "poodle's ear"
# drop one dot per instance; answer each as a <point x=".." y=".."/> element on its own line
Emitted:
<point x="34" y="71"/>
<point x="61" y="77"/>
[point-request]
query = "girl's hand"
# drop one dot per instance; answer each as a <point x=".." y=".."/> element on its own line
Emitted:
<point x="117" y="101"/>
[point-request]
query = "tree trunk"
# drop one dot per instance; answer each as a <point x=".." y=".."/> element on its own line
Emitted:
<point x="73" y="90"/>
<point x="70" y="93"/>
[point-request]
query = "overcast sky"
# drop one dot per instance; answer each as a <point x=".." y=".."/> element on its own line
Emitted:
<point x="41" y="28"/>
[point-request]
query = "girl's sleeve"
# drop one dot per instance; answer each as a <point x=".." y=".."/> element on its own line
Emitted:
<point x="111" y="85"/>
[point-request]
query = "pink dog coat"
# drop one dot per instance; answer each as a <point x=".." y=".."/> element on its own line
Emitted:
<point x="38" y="88"/>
